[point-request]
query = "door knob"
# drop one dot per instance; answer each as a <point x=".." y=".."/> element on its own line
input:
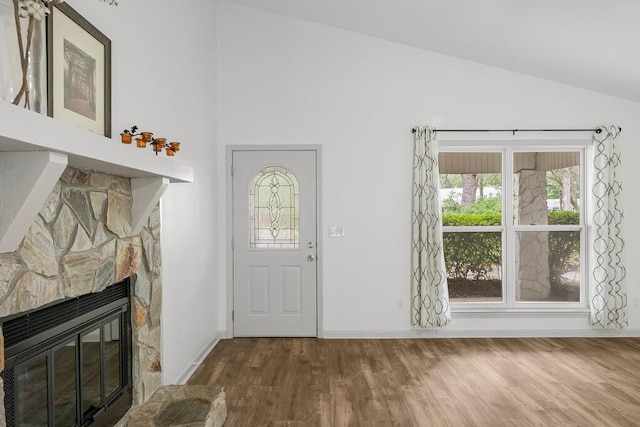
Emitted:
<point x="311" y="258"/>
<point x="310" y="245"/>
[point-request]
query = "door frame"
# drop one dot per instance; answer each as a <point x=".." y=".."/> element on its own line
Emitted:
<point x="230" y="149"/>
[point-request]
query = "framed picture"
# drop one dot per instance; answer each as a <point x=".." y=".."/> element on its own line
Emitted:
<point x="78" y="71"/>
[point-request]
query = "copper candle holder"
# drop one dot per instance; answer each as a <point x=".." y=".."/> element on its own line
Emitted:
<point x="144" y="138"/>
<point x="147" y="136"/>
<point x="127" y="135"/>
<point x="159" y="144"/>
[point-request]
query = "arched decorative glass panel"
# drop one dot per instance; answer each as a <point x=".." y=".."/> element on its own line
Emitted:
<point x="273" y="209"/>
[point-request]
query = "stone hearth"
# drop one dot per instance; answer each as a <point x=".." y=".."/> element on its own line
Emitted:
<point x="81" y="242"/>
<point x="174" y="405"/>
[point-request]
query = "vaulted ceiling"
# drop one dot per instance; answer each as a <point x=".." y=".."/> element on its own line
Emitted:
<point x="592" y="44"/>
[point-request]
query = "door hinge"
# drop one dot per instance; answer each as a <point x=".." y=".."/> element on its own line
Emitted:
<point x="233" y="315"/>
<point x="233" y="244"/>
<point x="232" y="169"/>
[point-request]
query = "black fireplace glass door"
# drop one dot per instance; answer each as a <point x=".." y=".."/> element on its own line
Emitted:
<point x="112" y="365"/>
<point x="65" y="390"/>
<point x="69" y="364"/>
<point x="91" y="369"/>
<point x="31" y="393"/>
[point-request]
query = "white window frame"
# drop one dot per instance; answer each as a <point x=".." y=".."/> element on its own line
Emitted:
<point x="507" y="147"/>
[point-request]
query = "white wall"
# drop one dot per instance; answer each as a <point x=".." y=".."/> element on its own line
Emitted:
<point x="287" y="81"/>
<point x="164" y="80"/>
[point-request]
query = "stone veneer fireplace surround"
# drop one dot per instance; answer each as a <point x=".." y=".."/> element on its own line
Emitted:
<point x="82" y="242"/>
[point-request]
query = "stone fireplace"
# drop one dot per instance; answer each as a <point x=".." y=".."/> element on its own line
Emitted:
<point x="81" y="243"/>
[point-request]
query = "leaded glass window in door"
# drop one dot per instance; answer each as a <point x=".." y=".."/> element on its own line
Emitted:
<point x="273" y="209"/>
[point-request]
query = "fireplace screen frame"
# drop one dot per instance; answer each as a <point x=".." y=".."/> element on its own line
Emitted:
<point x="41" y="332"/>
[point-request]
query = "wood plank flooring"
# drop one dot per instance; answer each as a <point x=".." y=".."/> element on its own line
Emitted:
<point x="427" y="382"/>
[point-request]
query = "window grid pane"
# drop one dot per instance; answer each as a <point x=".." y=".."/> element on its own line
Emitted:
<point x="474" y="266"/>
<point x="471" y="188"/>
<point x="548" y="266"/>
<point x="546" y="188"/>
<point x="274" y="210"/>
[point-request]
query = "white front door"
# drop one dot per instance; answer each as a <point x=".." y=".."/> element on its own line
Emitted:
<point x="274" y="243"/>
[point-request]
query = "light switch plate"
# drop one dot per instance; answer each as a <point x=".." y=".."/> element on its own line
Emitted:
<point x="336" y="231"/>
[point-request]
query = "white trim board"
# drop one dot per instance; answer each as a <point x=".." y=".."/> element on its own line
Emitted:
<point x="197" y="361"/>
<point x="581" y="313"/>
<point x="483" y="333"/>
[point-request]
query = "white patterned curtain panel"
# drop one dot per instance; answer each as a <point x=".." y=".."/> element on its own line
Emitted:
<point x="430" y="294"/>
<point x="609" y="298"/>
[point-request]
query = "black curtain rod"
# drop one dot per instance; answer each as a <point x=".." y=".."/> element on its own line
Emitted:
<point x="518" y="130"/>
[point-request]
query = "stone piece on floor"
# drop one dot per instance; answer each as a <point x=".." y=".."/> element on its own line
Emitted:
<point x="186" y="405"/>
<point x="186" y="411"/>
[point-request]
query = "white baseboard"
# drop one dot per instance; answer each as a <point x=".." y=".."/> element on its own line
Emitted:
<point x="479" y="333"/>
<point x="189" y="370"/>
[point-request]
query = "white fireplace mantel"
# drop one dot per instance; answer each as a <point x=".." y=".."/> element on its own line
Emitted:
<point x="34" y="151"/>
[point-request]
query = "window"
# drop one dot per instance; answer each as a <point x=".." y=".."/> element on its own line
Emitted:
<point x="513" y="226"/>
<point x="273" y="209"/>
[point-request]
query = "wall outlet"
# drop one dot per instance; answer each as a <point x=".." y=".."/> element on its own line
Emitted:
<point x="635" y="302"/>
<point x="399" y="303"/>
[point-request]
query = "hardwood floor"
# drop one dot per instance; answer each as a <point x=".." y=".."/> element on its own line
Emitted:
<point x="427" y="382"/>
